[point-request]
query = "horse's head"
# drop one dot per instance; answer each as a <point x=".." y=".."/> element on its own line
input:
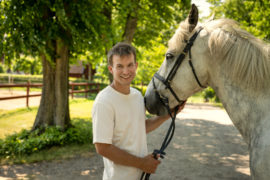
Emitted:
<point x="176" y="80"/>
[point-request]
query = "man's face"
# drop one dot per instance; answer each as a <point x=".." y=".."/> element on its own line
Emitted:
<point x="123" y="69"/>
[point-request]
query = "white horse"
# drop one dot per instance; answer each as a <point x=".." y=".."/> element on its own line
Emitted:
<point x="237" y="66"/>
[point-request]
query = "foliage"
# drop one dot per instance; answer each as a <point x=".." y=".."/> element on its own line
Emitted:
<point x="102" y="73"/>
<point x="159" y="19"/>
<point x="27" y="142"/>
<point x="254" y="16"/>
<point x="141" y="88"/>
<point x="155" y="24"/>
<point x="151" y="18"/>
<point x="2" y="68"/>
<point x="149" y="62"/>
<point x="26" y="64"/>
<point x="31" y="27"/>
<point x="209" y="95"/>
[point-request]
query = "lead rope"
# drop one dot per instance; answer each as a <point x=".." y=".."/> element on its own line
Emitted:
<point x="166" y="141"/>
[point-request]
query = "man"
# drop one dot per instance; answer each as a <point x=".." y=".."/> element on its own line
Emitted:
<point x="119" y="125"/>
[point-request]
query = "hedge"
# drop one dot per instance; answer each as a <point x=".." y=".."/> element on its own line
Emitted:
<point x="19" y="78"/>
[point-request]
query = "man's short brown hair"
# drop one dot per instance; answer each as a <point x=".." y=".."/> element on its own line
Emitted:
<point x="121" y="49"/>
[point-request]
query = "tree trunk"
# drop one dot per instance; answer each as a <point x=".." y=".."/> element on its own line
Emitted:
<point x="108" y="38"/>
<point x="131" y="23"/>
<point x="54" y="104"/>
<point x="61" y="115"/>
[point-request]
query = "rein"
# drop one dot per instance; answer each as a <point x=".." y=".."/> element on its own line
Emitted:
<point x="166" y="142"/>
<point x="165" y="101"/>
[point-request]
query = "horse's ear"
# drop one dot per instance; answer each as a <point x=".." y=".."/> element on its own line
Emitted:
<point x="193" y="17"/>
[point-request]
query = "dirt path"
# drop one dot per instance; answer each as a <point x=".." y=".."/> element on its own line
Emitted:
<point x="206" y="146"/>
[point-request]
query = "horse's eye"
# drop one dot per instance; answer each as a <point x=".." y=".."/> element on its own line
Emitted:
<point x="169" y="56"/>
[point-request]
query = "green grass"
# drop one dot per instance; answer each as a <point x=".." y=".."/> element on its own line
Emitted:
<point x="23" y="118"/>
<point x="15" y="120"/>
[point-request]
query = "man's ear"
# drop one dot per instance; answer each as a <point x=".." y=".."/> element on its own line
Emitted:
<point x="110" y="69"/>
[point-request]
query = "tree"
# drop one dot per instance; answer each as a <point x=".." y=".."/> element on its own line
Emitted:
<point x="54" y="31"/>
<point x="254" y="16"/>
<point x="141" y="22"/>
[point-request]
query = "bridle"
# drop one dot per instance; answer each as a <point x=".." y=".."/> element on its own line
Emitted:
<point x="168" y="80"/>
<point x="165" y="101"/>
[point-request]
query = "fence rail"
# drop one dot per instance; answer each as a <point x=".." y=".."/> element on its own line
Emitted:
<point x="88" y="89"/>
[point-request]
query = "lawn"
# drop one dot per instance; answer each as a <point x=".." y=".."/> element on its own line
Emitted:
<point x="18" y="119"/>
<point x="15" y="120"/>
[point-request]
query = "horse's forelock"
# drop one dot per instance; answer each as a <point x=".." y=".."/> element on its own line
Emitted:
<point x="176" y="43"/>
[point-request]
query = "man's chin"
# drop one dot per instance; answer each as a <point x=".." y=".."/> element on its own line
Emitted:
<point x="127" y="81"/>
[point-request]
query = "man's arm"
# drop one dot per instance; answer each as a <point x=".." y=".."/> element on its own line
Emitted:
<point x="154" y="122"/>
<point x="147" y="164"/>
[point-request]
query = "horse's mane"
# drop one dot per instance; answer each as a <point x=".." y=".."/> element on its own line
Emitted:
<point x="245" y="58"/>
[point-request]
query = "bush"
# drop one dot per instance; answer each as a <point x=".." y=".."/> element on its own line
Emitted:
<point x="2" y="69"/>
<point x="27" y="142"/>
<point x="210" y="95"/>
<point x="140" y="88"/>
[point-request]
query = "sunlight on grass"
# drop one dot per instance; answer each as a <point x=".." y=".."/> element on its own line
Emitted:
<point x="81" y="108"/>
<point x="14" y="120"/>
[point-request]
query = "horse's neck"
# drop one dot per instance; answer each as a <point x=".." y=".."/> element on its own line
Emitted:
<point x="246" y="109"/>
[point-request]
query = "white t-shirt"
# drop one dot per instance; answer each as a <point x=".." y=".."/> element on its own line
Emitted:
<point x="119" y="119"/>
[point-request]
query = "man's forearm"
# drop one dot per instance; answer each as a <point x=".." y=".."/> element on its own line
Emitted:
<point x="119" y="156"/>
<point x="155" y="122"/>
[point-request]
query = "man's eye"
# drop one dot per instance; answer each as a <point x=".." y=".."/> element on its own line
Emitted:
<point x="169" y="56"/>
<point x="130" y="65"/>
<point x="119" y="67"/>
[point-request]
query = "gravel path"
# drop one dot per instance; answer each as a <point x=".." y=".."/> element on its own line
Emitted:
<point x="206" y="146"/>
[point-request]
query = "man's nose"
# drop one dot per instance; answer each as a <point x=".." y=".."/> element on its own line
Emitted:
<point x="125" y="70"/>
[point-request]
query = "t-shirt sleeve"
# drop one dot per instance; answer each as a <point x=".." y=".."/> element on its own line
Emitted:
<point x="103" y="123"/>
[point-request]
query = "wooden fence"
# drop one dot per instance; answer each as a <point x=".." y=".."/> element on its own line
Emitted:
<point x="88" y="88"/>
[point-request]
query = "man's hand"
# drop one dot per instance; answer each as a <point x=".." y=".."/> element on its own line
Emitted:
<point x="149" y="164"/>
<point x="179" y="109"/>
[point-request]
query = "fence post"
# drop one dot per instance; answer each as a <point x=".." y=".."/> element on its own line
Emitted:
<point x="72" y="88"/>
<point x="86" y="88"/>
<point x="27" y="93"/>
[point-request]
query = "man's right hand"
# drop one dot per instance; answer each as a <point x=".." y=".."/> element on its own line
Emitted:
<point x="149" y="164"/>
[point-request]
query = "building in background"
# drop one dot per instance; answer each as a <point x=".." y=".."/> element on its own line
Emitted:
<point x="80" y="70"/>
